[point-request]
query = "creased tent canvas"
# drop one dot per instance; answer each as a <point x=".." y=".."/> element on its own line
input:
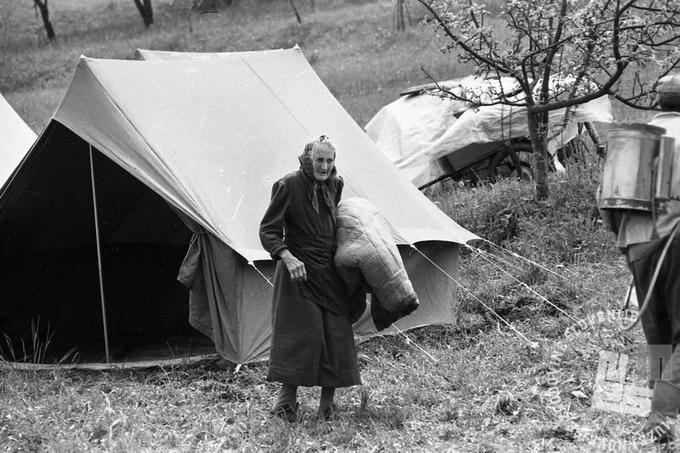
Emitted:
<point x="15" y="140"/>
<point x="180" y="155"/>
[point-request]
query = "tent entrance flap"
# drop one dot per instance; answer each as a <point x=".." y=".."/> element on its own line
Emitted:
<point x="50" y="290"/>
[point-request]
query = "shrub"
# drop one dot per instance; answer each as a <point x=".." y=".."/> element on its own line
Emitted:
<point x="491" y="211"/>
<point x="564" y="229"/>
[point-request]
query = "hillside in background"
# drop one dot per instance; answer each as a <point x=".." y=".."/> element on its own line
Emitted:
<point x="354" y="47"/>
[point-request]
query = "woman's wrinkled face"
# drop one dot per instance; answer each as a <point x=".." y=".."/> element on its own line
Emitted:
<point x="323" y="161"/>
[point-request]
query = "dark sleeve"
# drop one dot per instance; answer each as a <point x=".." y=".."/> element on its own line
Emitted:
<point x="338" y="191"/>
<point x="273" y="223"/>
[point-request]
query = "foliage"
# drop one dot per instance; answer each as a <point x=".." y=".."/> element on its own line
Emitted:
<point x="523" y="268"/>
<point x="560" y="53"/>
<point x="564" y="52"/>
<point x="489" y="210"/>
<point x="564" y="228"/>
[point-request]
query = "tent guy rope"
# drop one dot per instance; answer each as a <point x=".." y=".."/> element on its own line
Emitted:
<point x="409" y="340"/>
<point x="260" y="272"/>
<point x="532" y="344"/>
<point x="483" y="254"/>
<point x="532" y="262"/>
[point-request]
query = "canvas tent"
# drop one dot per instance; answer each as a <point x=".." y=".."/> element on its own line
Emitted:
<point x="16" y="139"/>
<point x="168" y="155"/>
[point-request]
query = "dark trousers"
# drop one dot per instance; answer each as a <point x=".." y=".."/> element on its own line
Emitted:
<point x="661" y="320"/>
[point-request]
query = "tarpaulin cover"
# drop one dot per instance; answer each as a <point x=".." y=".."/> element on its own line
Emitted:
<point x="210" y="136"/>
<point x="417" y="129"/>
<point x="15" y="140"/>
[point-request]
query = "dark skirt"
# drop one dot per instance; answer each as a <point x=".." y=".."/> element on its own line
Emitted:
<point x="311" y="345"/>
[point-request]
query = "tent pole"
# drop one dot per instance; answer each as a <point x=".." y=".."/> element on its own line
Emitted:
<point x="99" y="259"/>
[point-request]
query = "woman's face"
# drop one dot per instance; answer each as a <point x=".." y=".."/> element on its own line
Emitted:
<point x="323" y="161"/>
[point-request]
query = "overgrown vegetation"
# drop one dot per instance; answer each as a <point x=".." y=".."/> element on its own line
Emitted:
<point x="565" y="228"/>
<point x="489" y="391"/>
<point x="554" y="54"/>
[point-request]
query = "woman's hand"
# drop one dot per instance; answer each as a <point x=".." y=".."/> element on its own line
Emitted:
<point x="296" y="268"/>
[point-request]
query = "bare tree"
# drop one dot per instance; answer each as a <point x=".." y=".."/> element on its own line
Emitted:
<point x="145" y="10"/>
<point x="41" y="5"/>
<point x="560" y="53"/>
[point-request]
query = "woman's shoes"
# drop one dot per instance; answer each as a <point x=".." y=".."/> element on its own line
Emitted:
<point x="290" y="412"/>
<point x="328" y="412"/>
<point x="286" y="411"/>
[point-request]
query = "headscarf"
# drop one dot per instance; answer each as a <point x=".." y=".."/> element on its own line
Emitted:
<point x="327" y="187"/>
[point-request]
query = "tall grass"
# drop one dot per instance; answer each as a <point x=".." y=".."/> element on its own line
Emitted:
<point x="36" y="351"/>
<point x="543" y="259"/>
<point x="354" y="48"/>
<point x="565" y="229"/>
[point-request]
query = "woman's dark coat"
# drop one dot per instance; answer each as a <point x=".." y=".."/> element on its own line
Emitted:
<point x="312" y="340"/>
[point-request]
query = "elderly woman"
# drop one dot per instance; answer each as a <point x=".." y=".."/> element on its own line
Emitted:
<point x="312" y="341"/>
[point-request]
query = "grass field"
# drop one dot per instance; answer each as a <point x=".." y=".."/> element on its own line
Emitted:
<point x="489" y="392"/>
<point x="355" y="50"/>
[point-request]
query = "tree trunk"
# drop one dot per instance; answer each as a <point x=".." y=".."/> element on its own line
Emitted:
<point x="538" y="132"/>
<point x="146" y="11"/>
<point x="401" y="23"/>
<point x="295" y="10"/>
<point x="45" y="15"/>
